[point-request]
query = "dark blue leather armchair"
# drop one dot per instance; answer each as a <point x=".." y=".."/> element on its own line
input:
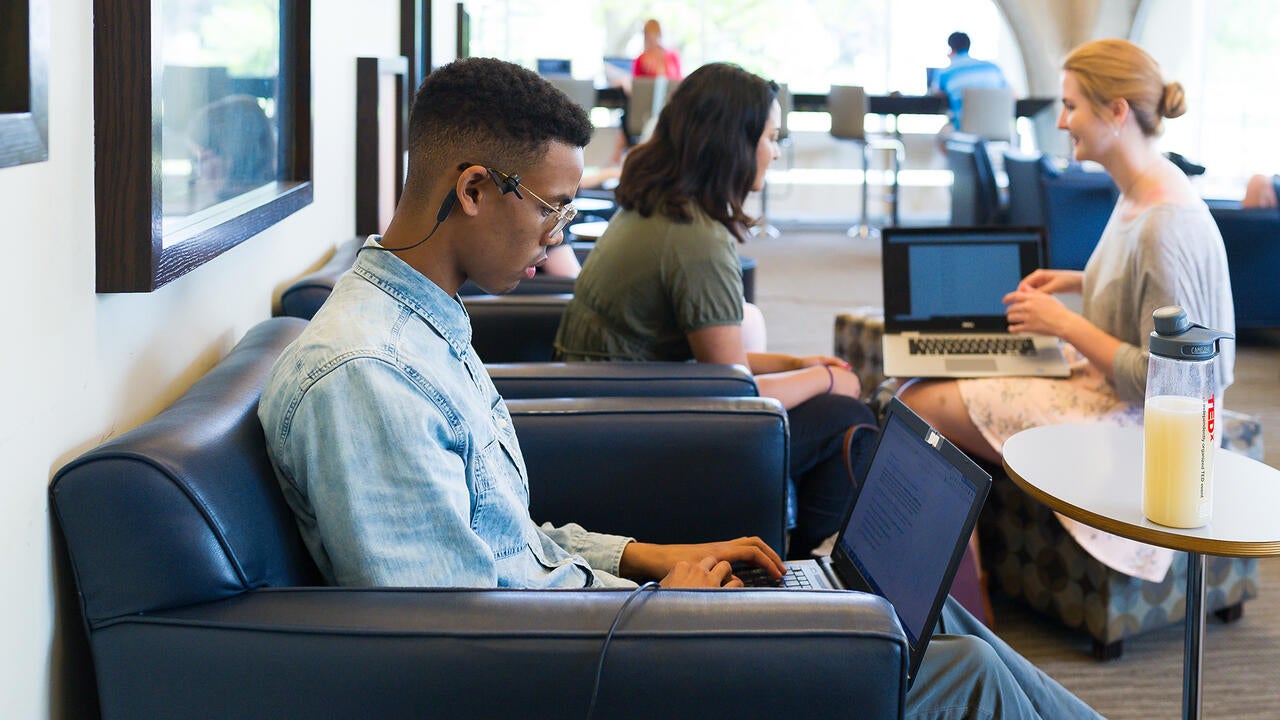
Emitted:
<point x="975" y="196"/>
<point x="1077" y="207"/>
<point x="1252" y="239"/>
<point x="200" y="601"/>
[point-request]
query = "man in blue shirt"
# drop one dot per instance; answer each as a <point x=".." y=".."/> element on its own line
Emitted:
<point x="394" y="449"/>
<point x="964" y="72"/>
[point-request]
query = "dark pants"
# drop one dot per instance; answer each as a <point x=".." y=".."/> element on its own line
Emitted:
<point x="823" y="486"/>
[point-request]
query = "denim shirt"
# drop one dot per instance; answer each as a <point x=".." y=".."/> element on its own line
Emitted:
<point x="397" y="455"/>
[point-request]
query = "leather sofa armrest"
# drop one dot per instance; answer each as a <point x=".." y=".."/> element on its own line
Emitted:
<point x="617" y="379"/>
<point x="342" y="653"/>
<point x="305" y="296"/>
<point x="667" y="470"/>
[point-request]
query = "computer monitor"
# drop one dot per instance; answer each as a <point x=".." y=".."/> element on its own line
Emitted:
<point x="555" y="66"/>
<point x="617" y="71"/>
<point x="930" y="77"/>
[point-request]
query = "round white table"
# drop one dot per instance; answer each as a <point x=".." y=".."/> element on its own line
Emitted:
<point x="593" y="206"/>
<point x="1093" y="473"/>
<point x="590" y="230"/>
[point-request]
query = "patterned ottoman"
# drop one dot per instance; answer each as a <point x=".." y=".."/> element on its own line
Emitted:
<point x="858" y="335"/>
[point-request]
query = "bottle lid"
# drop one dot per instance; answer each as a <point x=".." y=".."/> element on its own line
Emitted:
<point x="1175" y="336"/>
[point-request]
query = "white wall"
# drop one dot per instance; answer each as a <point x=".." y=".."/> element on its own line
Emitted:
<point x="78" y="367"/>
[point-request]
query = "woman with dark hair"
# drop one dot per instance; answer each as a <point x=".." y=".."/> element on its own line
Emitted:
<point x="664" y="282"/>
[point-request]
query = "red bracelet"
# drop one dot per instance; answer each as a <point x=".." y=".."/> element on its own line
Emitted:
<point x="831" y="380"/>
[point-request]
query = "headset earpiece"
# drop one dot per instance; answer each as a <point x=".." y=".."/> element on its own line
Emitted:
<point x="446" y="207"/>
<point x="506" y="183"/>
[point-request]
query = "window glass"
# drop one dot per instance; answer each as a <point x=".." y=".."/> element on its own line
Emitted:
<point x="220" y="122"/>
<point x="883" y="45"/>
<point x="1219" y="51"/>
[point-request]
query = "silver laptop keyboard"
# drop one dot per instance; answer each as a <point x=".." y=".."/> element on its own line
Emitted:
<point x="977" y="345"/>
<point x="756" y="577"/>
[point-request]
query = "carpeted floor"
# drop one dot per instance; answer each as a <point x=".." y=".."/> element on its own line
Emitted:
<point x="805" y="278"/>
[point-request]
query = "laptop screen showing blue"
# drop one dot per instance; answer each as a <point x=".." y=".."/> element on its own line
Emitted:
<point x="954" y="279"/>
<point x="960" y="279"/>
<point x="555" y="66"/>
<point x="912" y="497"/>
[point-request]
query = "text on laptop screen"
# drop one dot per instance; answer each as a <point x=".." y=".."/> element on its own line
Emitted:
<point x="912" y="497"/>
<point x="947" y="279"/>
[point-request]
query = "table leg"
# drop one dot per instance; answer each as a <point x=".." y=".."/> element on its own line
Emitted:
<point x="1194" y="642"/>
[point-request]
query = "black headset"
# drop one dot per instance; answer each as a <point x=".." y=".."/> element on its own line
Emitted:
<point x="506" y="184"/>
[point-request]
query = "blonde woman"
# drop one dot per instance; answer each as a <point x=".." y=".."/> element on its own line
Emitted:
<point x="1160" y="247"/>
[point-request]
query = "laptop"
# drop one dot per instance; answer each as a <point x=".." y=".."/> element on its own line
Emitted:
<point x="943" y="303"/>
<point x="907" y="528"/>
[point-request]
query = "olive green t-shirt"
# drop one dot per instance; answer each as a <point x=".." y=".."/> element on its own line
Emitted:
<point x="646" y="284"/>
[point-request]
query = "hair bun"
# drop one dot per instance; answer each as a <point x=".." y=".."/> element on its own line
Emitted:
<point x="1173" y="103"/>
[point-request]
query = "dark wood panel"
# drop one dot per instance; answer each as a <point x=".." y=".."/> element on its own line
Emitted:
<point x="369" y="160"/>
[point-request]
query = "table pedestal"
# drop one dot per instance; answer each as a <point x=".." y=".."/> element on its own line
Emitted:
<point x="1194" y="642"/>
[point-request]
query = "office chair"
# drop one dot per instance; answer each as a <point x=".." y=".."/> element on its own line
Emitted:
<point x="648" y="97"/>
<point x="581" y="92"/>
<point x="975" y="197"/>
<point x="987" y="113"/>
<point x="848" y="108"/>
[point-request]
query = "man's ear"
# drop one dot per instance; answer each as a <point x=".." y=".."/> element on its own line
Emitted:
<point x="470" y="188"/>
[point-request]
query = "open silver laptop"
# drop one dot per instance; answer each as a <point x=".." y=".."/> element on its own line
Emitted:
<point x="943" y="303"/>
<point x="906" y="530"/>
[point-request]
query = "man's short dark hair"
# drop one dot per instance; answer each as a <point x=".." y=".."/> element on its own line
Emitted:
<point x="491" y="112"/>
<point x="958" y="42"/>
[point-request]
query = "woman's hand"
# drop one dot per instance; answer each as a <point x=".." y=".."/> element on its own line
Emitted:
<point x="1053" y="281"/>
<point x="840" y="381"/>
<point x="815" y="360"/>
<point x="1038" y="312"/>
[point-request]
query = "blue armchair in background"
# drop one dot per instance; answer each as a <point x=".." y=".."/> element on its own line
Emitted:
<point x="1252" y="239"/>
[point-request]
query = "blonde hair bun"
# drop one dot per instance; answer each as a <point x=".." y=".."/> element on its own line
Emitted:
<point x="1173" y="103"/>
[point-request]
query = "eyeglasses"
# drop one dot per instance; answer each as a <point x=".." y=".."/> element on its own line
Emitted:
<point x="511" y="184"/>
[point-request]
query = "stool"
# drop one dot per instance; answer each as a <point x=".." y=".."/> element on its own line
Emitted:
<point x="847" y="105"/>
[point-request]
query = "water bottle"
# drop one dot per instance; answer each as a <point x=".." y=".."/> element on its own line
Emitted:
<point x="1179" y="426"/>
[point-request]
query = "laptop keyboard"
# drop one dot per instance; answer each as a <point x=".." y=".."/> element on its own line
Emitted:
<point x="754" y="576"/>
<point x="978" y="345"/>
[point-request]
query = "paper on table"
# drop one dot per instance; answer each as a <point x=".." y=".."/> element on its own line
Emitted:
<point x="1130" y="557"/>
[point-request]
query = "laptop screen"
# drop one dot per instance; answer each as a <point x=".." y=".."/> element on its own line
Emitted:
<point x="954" y="279"/>
<point x="555" y="66"/>
<point x="911" y="521"/>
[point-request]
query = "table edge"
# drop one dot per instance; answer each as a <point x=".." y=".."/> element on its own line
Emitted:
<point x="1153" y="536"/>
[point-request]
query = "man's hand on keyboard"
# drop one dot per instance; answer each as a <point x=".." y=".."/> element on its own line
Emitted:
<point x="707" y="572"/>
<point x="700" y="565"/>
